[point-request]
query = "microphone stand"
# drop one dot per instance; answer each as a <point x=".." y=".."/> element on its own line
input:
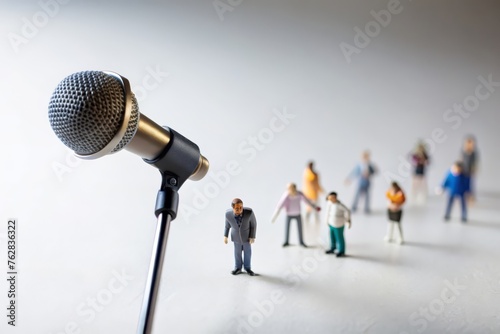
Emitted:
<point x="176" y="164"/>
<point x="167" y="202"/>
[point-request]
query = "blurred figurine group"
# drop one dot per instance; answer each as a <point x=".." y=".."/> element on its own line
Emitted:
<point x="458" y="183"/>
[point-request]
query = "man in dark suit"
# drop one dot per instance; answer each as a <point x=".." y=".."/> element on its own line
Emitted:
<point x="243" y="225"/>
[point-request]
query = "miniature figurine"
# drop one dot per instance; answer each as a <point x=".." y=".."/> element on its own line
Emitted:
<point x="363" y="172"/>
<point x="420" y="159"/>
<point x="312" y="189"/>
<point x="457" y="185"/>
<point x="291" y="202"/>
<point x="337" y="216"/>
<point x="396" y="198"/>
<point x="470" y="158"/>
<point x="243" y="225"/>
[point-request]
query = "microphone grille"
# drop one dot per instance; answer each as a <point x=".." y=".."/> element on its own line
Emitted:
<point x="87" y="110"/>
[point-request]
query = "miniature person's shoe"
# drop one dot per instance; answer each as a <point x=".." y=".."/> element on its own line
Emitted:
<point x="464" y="220"/>
<point x="236" y="272"/>
<point x="446" y="218"/>
<point x="340" y="255"/>
<point x="303" y="245"/>
<point x="387" y="239"/>
<point x="400" y="242"/>
<point x="331" y="251"/>
<point x="286" y="244"/>
<point x="250" y="272"/>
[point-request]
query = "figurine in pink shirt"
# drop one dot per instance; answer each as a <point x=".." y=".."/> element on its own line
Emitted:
<point x="290" y="201"/>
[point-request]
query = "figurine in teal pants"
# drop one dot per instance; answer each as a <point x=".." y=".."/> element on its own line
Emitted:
<point x="337" y="216"/>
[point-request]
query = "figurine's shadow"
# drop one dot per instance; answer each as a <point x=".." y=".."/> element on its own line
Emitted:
<point x="483" y="224"/>
<point x="428" y="245"/>
<point x="357" y="257"/>
<point x="295" y="246"/>
<point x="246" y="274"/>
<point x="434" y="246"/>
<point x="273" y="280"/>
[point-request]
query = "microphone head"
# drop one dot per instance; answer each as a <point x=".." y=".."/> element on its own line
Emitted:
<point x="94" y="113"/>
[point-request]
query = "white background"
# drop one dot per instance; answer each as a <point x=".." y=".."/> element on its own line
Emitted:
<point x="81" y="221"/>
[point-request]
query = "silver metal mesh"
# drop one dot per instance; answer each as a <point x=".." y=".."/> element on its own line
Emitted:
<point x="87" y="109"/>
<point x="132" y="126"/>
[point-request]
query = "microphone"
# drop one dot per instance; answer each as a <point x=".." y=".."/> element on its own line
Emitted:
<point x="95" y="113"/>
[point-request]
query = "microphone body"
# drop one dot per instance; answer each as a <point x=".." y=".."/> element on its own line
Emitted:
<point x="95" y="113"/>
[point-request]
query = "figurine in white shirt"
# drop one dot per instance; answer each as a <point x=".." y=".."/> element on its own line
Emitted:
<point x="337" y="216"/>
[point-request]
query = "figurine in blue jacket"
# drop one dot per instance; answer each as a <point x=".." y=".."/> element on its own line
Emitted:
<point x="457" y="185"/>
<point x="364" y="172"/>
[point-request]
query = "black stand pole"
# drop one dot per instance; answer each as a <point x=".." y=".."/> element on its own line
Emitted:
<point x="154" y="275"/>
<point x="166" y="210"/>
